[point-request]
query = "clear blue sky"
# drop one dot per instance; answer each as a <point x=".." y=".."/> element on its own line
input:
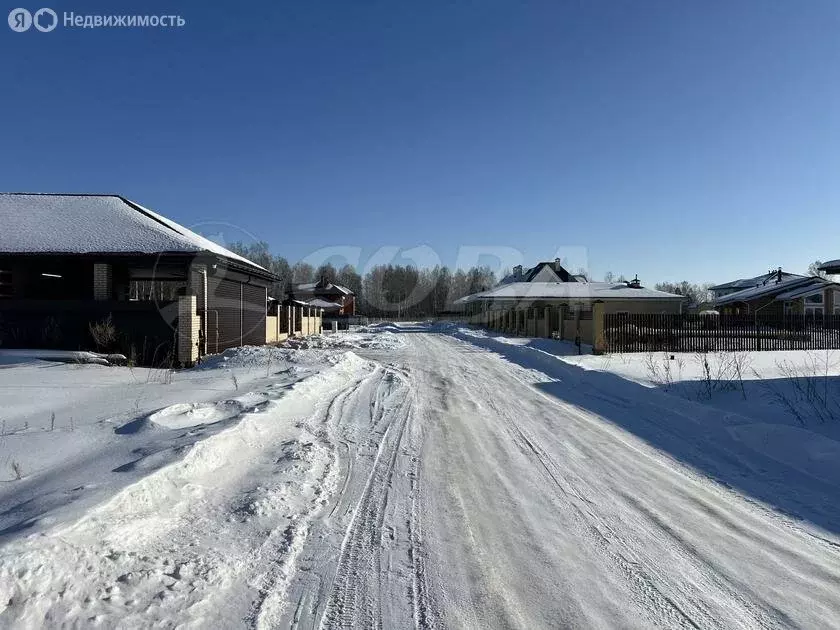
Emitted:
<point x="693" y="140"/>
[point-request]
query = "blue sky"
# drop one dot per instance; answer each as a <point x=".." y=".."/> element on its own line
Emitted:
<point x="676" y="140"/>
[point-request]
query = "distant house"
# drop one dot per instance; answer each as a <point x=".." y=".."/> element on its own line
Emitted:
<point x="832" y="267"/>
<point x="541" y="272"/>
<point x="334" y="299"/>
<point x="780" y="295"/>
<point x="734" y="286"/>
<point x="562" y="307"/>
<point x="70" y="261"/>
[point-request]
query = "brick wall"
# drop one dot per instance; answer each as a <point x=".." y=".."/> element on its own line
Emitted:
<point x="102" y="281"/>
<point x="188" y="326"/>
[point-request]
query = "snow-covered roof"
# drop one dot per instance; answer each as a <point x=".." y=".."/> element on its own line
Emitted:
<point x="319" y="303"/>
<point x="798" y="285"/>
<point x="313" y="287"/>
<point x="748" y="283"/>
<point x="830" y="265"/>
<point x="95" y="224"/>
<point x="803" y="291"/>
<point x="568" y="290"/>
<point x="541" y="272"/>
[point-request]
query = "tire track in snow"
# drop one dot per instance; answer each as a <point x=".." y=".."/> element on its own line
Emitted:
<point x="425" y="615"/>
<point x="692" y="614"/>
<point x="281" y="551"/>
<point x="355" y="596"/>
<point x="666" y="610"/>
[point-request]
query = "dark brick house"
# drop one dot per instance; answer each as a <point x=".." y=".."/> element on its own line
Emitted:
<point x="334" y="299"/>
<point x="67" y="261"/>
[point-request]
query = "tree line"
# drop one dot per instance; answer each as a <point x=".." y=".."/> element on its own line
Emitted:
<point x="406" y="291"/>
<point x="384" y="290"/>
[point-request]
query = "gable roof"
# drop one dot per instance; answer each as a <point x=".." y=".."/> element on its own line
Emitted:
<point x="541" y="272"/>
<point x="568" y="290"/>
<point x="747" y="283"/>
<point x="47" y="223"/>
<point x="312" y="287"/>
<point x="326" y="304"/>
<point x="787" y="289"/>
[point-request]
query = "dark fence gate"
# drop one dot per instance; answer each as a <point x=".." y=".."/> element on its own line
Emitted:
<point x="705" y="333"/>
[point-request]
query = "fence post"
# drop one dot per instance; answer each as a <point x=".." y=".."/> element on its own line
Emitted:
<point x="599" y="342"/>
<point x="188" y="326"/>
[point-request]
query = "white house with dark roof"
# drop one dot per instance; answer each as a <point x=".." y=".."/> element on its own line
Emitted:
<point x="734" y="286"/>
<point x="781" y="295"/>
<point x="561" y="308"/>
<point x="541" y="272"/>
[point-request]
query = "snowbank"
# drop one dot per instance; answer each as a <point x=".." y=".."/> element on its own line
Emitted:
<point x="183" y="415"/>
<point x="64" y="356"/>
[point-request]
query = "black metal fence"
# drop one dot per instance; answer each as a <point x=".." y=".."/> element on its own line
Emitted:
<point x="709" y="333"/>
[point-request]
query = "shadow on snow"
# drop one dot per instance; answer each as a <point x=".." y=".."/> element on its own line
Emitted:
<point x="789" y="468"/>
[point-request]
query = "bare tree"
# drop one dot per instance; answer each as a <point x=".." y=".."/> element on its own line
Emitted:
<point x="350" y="278"/>
<point x="302" y="272"/>
<point x="814" y="269"/>
<point x="327" y="272"/>
<point x="697" y="293"/>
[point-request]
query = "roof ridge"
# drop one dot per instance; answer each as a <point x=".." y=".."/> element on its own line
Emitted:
<point x="145" y="213"/>
<point x="50" y="194"/>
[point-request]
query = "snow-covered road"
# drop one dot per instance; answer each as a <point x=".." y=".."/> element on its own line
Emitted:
<point x="546" y="515"/>
<point x="492" y="504"/>
<point x="441" y="483"/>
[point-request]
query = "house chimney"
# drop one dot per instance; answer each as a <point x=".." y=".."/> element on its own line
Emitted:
<point x="635" y="283"/>
<point x="557" y="264"/>
<point x="779" y="275"/>
<point x="517" y="272"/>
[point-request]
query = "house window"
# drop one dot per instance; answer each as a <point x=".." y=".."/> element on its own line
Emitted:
<point x="813" y="312"/>
<point x="814" y="306"/>
<point x="5" y="283"/>
<point x="155" y="290"/>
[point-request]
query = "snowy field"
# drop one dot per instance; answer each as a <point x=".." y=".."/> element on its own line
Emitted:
<point x="427" y="476"/>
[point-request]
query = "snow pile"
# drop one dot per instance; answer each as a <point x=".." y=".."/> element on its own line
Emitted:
<point x="250" y="358"/>
<point x="183" y="415"/>
<point x="197" y="541"/>
<point x="63" y="356"/>
<point x="377" y="339"/>
<point x="73" y="434"/>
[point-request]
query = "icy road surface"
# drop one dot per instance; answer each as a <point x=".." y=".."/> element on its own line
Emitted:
<point x="446" y="484"/>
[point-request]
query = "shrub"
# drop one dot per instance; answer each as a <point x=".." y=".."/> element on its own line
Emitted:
<point x="103" y="332"/>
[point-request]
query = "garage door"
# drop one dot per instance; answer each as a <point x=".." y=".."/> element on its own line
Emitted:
<point x="224" y="297"/>
<point x="253" y="314"/>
